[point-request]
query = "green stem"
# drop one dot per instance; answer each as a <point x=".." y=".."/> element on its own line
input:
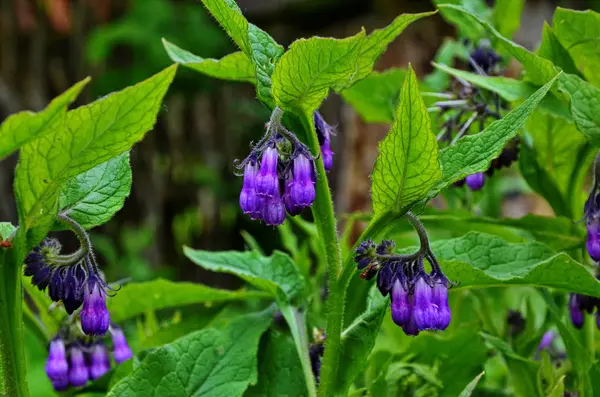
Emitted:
<point x="590" y="329"/>
<point x="295" y="321"/>
<point x="13" y="380"/>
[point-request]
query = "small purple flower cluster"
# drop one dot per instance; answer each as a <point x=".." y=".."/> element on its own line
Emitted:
<point x="279" y="174"/>
<point x="419" y="301"/>
<point x="592" y="222"/>
<point x="75" y="363"/>
<point x="579" y="305"/>
<point x="73" y="284"/>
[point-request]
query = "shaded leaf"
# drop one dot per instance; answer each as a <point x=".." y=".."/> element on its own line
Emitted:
<point x="507" y="16"/>
<point x="552" y="49"/>
<point x="471" y="386"/>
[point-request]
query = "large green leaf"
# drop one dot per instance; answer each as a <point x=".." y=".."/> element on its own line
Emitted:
<point x="93" y="197"/>
<point x="407" y="165"/>
<point x="230" y="17"/>
<point x="90" y="135"/>
<point x="465" y="26"/>
<point x="277" y="274"/>
<point x="136" y="298"/>
<point x="236" y="66"/>
<point x="478" y="259"/>
<point x="212" y="362"/>
<point x="279" y="369"/>
<point x="23" y="127"/>
<point x="375" y="98"/>
<point x="358" y="341"/>
<point x="579" y="32"/>
<point x="474" y="153"/>
<point x="552" y="49"/>
<point x="507" y="16"/>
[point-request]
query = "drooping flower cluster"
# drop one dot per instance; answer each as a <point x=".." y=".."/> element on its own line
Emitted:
<point x="467" y="105"/>
<point x="74" y="360"/>
<point x="419" y="301"/>
<point x="73" y="280"/>
<point x="279" y="176"/>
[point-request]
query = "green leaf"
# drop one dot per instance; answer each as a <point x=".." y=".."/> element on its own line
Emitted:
<point x="465" y="25"/>
<point x="230" y="17"/>
<point x="236" y="66"/>
<point x="471" y="386"/>
<point x="552" y="49"/>
<point x="479" y="259"/>
<point x="275" y="274"/>
<point x="579" y="32"/>
<point x="473" y="153"/>
<point x="438" y="80"/>
<point x="507" y="16"/>
<point x="136" y="298"/>
<point x="93" y="197"/>
<point x="358" y="341"/>
<point x="90" y="135"/>
<point x="279" y="369"/>
<point x="523" y="372"/>
<point x="213" y="362"/>
<point x="585" y="106"/>
<point x="407" y="165"/>
<point x="375" y="98"/>
<point x="23" y="127"/>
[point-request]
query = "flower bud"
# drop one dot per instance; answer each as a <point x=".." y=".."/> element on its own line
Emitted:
<point x="95" y="318"/>
<point x="57" y="367"/>
<point x="73" y="286"/>
<point x="37" y="265"/>
<point x="385" y="279"/>
<point x="250" y="202"/>
<point x="121" y="351"/>
<point x="302" y="186"/>
<point x="546" y="340"/>
<point x="290" y="206"/>
<point x="267" y="181"/>
<point x="577" y="315"/>
<point x="593" y="238"/>
<point x="424" y="311"/>
<point x="365" y="254"/>
<point x="60" y="384"/>
<point x="411" y="328"/>
<point x="273" y="210"/>
<point x="327" y="155"/>
<point x="401" y="310"/>
<point x="324" y="132"/>
<point x="475" y="181"/>
<point x="78" y="373"/>
<point x="440" y="300"/>
<point x="99" y="361"/>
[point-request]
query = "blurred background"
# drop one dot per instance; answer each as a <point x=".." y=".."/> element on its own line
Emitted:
<point x="184" y="189"/>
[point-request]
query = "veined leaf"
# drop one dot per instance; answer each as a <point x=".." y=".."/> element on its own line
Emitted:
<point x="230" y="17"/>
<point x="236" y="66"/>
<point x="275" y="274"/>
<point x="93" y="197"/>
<point x="473" y="153"/>
<point x="137" y="298"/>
<point x="552" y="49"/>
<point x="23" y="127"/>
<point x="90" y="135"/>
<point x="407" y="165"/>
<point x="212" y="362"/>
<point x="579" y="32"/>
<point x="507" y="16"/>
<point x="471" y="386"/>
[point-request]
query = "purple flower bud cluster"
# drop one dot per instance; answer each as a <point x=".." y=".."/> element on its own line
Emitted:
<point x="419" y="301"/>
<point x="579" y="305"/>
<point x="485" y="59"/>
<point x="280" y="183"/>
<point x="74" y="284"/>
<point x="79" y="362"/>
<point x="592" y="222"/>
<point x="475" y="181"/>
<point x="324" y="133"/>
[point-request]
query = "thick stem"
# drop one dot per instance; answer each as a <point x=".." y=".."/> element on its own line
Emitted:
<point x="420" y="229"/>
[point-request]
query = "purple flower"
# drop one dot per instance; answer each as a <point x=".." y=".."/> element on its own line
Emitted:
<point x="401" y="310"/>
<point x="267" y="181"/>
<point x="37" y="265"/>
<point x="95" y="318"/>
<point x="273" y="213"/>
<point x="250" y="202"/>
<point x="60" y="384"/>
<point x="593" y="239"/>
<point x="73" y="285"/>
<point x="78" y="373"/>
<point x="57" y="367"/>
<point x="99" y="361"/>
<point x="365" y="254"/>
<point x="546" y="340"/>
<point x="386" y="278"/>
<point x="302" y="186"/>
<point x="411" y="328"/>
<point x="440" y="300"/>
<point x="290" y="206"/>
<point x="485" y="58"/>
<point x="475" y="181"/>
<point x="121" y="350"/>
<point x="424" y="310"/>
<point x="324" y="132"/>
<point x="577" y="315"/>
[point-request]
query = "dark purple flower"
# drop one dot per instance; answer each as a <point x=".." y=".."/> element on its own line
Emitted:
<point x="121" y="351"/>
<point x="267" y="181"/>
<point x="593" y="238"/>
<point x="57" y="367"/>
<point x="598" y="319"/>
<point x="37" y="265"/>
<point x="411" y="328"/>
<point x="60" y="384"/>
<point x="95" y="318"/>
<point x="365" y="254"/>
<point x="324" y="132"/>
<point x="386" y="278"/>
<point x="401" y="310"/>
<point x="485" y="58"/>
<point x="440" y="300"/>
<point x="387" y="247"/>
<point x="546" y="340"/>
<point x="302" y="186"/>
<point x="99" y="361"/>
<point x="78" y="373"/>
<point x="515" y="321"/>
<point x="290" y="206"/>
<point x="577" y="315"/>
<point x="250" y="202"/>
<point x="273" y="210"/>
<point x="475" y="181"/>
<point x="424" y="310"/>
<point x="73" y="286"/>
<point x="315" y="353"/>
<point x="56" y="285"/>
